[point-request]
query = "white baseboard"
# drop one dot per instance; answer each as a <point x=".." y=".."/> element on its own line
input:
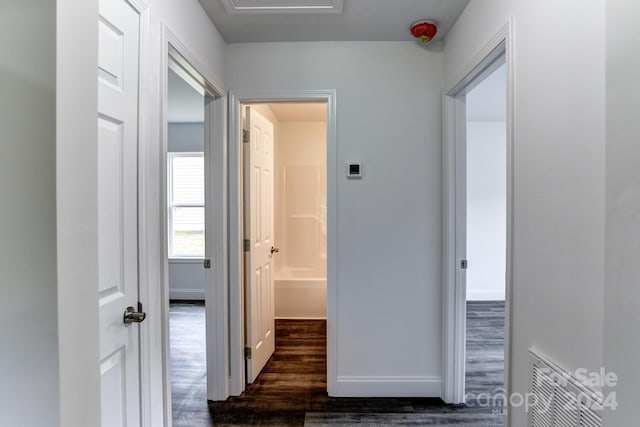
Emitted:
<point x="493" y="295"/>
<point x="388" y="386"/>
<point x="187" y="294"/>
<point x="299" y="318"/>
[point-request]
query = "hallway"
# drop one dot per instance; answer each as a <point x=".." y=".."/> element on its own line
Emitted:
<point x="291" y="390"/>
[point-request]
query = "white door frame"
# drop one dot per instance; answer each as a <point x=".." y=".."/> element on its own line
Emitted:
<point x="173" y="50"/>
<point x="454" y="213"/>
<point x="236" y="234"/>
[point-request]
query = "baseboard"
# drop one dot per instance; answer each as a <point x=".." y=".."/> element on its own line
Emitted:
<point x="388" y="386"/>
<point x="485" y="295"/>
<point x="188" y="294"/>
<point x="299" y="318"/>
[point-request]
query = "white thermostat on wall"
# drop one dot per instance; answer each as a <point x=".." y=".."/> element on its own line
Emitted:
<point x="354" y="170"/>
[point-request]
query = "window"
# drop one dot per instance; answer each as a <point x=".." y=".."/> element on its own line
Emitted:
<point x="186" y="205"/>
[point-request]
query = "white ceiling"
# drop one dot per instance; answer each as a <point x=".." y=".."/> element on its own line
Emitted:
<point x="361" y="20"/>
<point x="487" y="102"/>
<point x="300" y="112"/>
<point x="185" y="104"/>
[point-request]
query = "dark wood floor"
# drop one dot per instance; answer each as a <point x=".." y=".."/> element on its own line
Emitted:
<point x="291" y="390"/>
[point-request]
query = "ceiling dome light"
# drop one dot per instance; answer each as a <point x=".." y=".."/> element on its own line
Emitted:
<point x="424" y="30"/>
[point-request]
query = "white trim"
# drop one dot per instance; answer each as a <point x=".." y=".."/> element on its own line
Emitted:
<point x="236" y="301"/>
<point x="148" y="377"/>
<point x="217" y="277"/>
<point x="299" y="318"/>
<point x="485" y="295"/>
<point x="454" y="295"/>
<point x="173" y="50"/>
<point x="76" y="225"/>
<point x="187" y="294"/>
<point x="186" y="260"/>
<point x="384" y="386"/>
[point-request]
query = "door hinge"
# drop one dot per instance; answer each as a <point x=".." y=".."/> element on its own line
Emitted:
<point x="207" y="263"/>
<point x="247" y="352"/>
<point x="464" y="264"/>
<point x="245" y="135"/>
<point x="246" y="245"/>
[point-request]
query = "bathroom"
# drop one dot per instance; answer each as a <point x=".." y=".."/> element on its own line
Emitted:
<point x="300" y="206"/>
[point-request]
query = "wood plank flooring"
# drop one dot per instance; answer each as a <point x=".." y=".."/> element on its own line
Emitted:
<point x="291" y="390"/>
<point x="485" y="352"/>
<point x="188" y="364"/>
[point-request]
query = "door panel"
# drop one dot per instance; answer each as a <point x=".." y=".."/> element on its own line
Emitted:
<point x="117" y="198"/>
<point x="259" y="231"/>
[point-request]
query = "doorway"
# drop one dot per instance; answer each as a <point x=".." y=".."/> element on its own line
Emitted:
<point x="186" y="242"/>
<point x="486" y="238"/>
<point x="285" y="226"/>
<point x="238" y="377"/>
<point x="193" y="231"/>
<point x="460" y="142"/>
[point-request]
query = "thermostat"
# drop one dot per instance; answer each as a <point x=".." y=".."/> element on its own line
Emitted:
<point x="354" y="170"/>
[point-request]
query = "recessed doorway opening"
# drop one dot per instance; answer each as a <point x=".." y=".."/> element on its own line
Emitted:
<point x="237" y="233"/>
<point x="478" y="227"/>
<point x="193" y="246"/>
<point x="285" y="237"/>
<point x="486" y="237"/>
<point x="186" y="242"/>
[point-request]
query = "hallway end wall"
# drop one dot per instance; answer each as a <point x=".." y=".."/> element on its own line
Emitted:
<point x="389" y="237"/>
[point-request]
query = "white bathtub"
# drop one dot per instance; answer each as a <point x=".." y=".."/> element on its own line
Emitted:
<point x="300" y="295"/>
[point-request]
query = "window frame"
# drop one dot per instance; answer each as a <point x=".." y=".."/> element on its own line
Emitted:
<point x="170" y="205"/>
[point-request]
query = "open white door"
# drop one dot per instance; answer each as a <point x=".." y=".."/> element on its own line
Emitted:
<point x="117" y="197"/>
<point x="259" y="308"/>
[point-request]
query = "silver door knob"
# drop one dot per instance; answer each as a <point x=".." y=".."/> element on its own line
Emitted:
<point x="274" y="250"/>
<point x="132" y="316"/>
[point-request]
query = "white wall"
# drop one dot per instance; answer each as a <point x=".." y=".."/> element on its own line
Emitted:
<point x="186" y="277"/>
<point x="77" y="109"/>
<point x="486" y="210"/>
<point x="28" y="312"/>
<point x="622" y="293"/>
<point x="559" y="219"/>
<point x="389" y="223"/>
<point x="185" y="137"/>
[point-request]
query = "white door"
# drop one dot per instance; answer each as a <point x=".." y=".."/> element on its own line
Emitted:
<point x="117" y="198"/>
<point x="260" y="323"/>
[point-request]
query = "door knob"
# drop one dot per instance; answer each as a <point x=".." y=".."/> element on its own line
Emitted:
<point x="133" y="316"/>
<point x="274" y="250"/>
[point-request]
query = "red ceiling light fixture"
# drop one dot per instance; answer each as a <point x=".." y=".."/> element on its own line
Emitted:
<point x="424" y="30"/>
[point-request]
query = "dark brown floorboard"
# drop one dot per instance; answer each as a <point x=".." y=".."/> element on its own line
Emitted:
<point x="291" y="390"/>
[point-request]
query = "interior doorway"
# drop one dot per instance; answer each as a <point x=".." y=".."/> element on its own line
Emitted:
<point x="186" y="241"/>
<point x="285" y="231"/>
<point x="466" y="207"/>
<point x="486" y="238"/>
<point x="193" y="236"/>
<point x="237" y="296"/>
